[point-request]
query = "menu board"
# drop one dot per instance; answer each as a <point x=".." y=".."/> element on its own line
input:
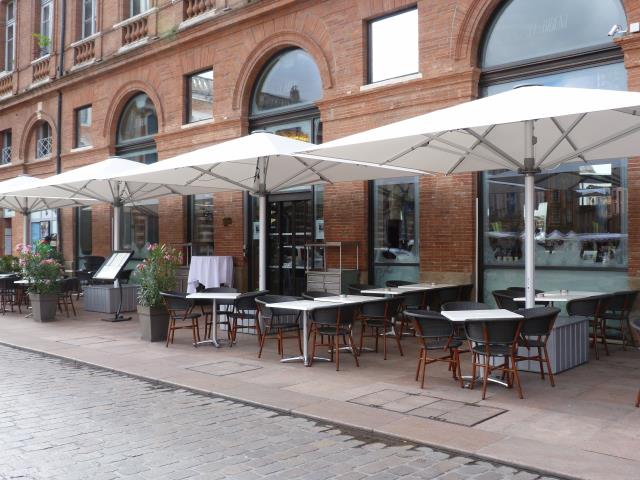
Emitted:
<point x="112" y="267"/>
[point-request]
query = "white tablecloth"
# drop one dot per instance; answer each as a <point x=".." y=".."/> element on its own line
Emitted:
<point x="210" y="271"/>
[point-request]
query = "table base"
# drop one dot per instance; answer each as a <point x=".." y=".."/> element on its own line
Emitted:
<point x="300" y="358"/>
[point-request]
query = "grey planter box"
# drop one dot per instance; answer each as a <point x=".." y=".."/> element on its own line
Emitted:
<point x="44" y="306"/>
<point x="106" y="298"/>
<point x="568" y="346"/>
<point x="154" y="322"/>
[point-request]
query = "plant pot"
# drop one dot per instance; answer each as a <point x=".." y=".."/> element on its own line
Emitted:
<point x="44" y="306"/>
<point x="154" y="322"/>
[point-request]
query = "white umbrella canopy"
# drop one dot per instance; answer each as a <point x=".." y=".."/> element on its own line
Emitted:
<point x="525" y="129"/>
<point x="98" y="181"/>
<point x="259" y="163"/>
<point x="27" y="204"/>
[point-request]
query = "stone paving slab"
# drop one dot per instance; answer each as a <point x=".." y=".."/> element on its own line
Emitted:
<point x="66" y="421"/>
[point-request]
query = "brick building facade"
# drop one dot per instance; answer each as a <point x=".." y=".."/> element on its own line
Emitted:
<point x="155" y="51"/>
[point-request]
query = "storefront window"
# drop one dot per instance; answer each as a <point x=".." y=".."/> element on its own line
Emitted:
<point x="44" y="223"/>
<point x="580" y="209"/>
<point x="139" y="227"/>
<point x="395" y="236"/>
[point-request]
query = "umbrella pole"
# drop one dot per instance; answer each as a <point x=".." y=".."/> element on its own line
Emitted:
<point x="262" y="256"/>
<point x="25" y="227"/>
<point x="117" y="212"/>
<point x="529" y="220"/>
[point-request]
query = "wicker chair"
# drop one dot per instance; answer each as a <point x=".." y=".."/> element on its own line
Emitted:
<point x="180" y="309"/>
<point x="278" y="321"/>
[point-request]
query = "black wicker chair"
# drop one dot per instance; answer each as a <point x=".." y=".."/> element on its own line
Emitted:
<point x="535" y="332"/>
<point x="278" y="321"/>
<point x="335" y="323"/>
<point x="377" y="320"/>
<point x="180" y="309"/>
<point x="592" y="308"/>
<point x="616" y="316"/>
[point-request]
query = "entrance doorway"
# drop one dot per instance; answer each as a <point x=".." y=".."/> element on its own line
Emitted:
<point x="290" y="228"/>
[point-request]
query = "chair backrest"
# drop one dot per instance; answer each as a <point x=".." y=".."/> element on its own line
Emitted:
<point x="622" y="302"/>
<point x="538" y="321"/>
<point x="356" y="288"/>
<point x="445" y="295"/>
<point x="262" y="301"/>
<point x="505" y="299"/>
<point x="220" y="290"/>
<point x="176" y="301"/>
<point x="247" y="301"/>
<point x="397" y="283"/>
<point x="589" y="306"/>
<point x="414" y="300"/>
<point x="463" y="305"/>
<point x="311" y="294"/>
<point x="430" y="324"/>
<point x="521" y="291"/>
<point x="374" y="309"/>
<point x="464" y="292"/>
<point x="499" y="331"/>
<point x="635" y="324"/>
<point x="340" y="314"/>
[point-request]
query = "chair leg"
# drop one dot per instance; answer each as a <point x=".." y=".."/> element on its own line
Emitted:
<point x="459" y="369"/>
<point x="424" y="367"/>
<point x="398" y="337"/>
<point x="516" y="377"/>
<point x="595" y="338"/>
<point x="540" y="362"/>
<point x="336" y="347"/>
<point x="546" y="357"/>
<point x="603" y="332"/>
<point x="419" y="364"/>
<point x="638" y="400"/>
<point x="300" y="341"/>
<point x="72" y="306"/>
<point x="384" y="339"/>
<point x="474" y="363"/>
<point x="263" y="337"/>
<point x="313" y="345"/>
<point x="169" y="331"/>
<point x="485" y="376"/>
<point x="355" y="352"/>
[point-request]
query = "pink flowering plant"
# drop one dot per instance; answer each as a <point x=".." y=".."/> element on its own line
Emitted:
<point x="42" y="272"/>
<point x="157" y="273"/>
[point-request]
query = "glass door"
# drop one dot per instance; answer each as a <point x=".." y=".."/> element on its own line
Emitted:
<point x="290" y="228"/>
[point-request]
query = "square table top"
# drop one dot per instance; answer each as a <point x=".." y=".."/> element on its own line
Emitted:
<point x="348" y="299"/>
<point x="214" y="295"/>
<point x="494" y="313"/>
<point x="386" y="291"/>
<point x="426" y="286"/>
<point x="561" y="296"/>
<point x="302" y="305"/>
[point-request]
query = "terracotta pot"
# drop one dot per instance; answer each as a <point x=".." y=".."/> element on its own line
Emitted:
<point x="44" y="306"/>
<point x="154" y="322"/>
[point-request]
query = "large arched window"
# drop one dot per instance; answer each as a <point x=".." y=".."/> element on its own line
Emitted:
<point x="581" y="211"/>
<point x="283" y="102"/>
<point x="134" y="140"/>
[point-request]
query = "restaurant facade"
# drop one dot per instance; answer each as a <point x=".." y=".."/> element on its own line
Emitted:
<point x="148" y="79"/>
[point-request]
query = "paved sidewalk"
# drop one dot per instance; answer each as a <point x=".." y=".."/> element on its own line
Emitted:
<point x="585" y="427"/>
<point x="66" y="422"/>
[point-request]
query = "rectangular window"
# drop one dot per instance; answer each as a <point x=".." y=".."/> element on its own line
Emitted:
<point x="200" y="96"/>
<point x="5" y="153"/>
<point x="10" y="38"/>
<point x="139" y="6"/>
<point x="46" y="27"/>
<point x="88" y="18"/>
<point x="83" y="127"/>
<point x="44" y="142"/>
<point x="395" y="234"/>
<point x="202" y="224"/>
<point x="393" y="46"/>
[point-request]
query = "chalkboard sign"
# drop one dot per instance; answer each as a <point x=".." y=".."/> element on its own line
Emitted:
<point x="113" y="265"/>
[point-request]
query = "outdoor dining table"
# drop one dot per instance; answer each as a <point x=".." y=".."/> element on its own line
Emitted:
<point x="214" y="297"/>
<point x="561" y="296"/>
<point x="306" y="306"/>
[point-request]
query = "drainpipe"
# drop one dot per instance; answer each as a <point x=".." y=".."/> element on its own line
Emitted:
<point x="60" y="74"/>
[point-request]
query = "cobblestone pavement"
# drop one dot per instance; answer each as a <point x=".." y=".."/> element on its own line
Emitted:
<point x="62" y="421"/>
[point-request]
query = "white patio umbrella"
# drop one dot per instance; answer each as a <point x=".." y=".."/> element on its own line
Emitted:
<point x="27" y="204"/>
<point x="260" y="163"/>
<point x="525" y="129"/>
<point x="98" y="182"/>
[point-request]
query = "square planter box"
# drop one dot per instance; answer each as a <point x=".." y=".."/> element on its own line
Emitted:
<point x="106" y="298"/>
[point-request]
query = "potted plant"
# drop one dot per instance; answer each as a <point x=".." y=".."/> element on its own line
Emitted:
<point x="157" y="273"/>
<point x="43" y="274"/>
<point x="9" y="264"/>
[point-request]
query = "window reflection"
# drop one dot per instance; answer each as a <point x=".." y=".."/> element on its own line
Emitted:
<point x="138" y="119"/>
<point x="580" y="216"/>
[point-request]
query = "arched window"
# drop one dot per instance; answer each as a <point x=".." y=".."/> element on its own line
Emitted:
<point x="134" y="140"/>
<point x="44" y="140"/>
<point x="137" y="125"/>
<point x="283" y="103"/>
<point x="581" y="210"/>
<point x="291" y="80"/>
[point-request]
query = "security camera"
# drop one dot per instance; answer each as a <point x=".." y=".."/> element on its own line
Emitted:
<point x="616" y="29"/>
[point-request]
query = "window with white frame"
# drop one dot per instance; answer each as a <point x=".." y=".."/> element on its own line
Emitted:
<point x="139" y="6"/>
<point x="83" y="127"/>
<point x="200" y="96"/>
<point x="10" y="37"/>
<point x="44" y="141"/>
<point x="88" y="18"/>
<point x="393" y="46"/>
<point x="46" y="27"/>
<point x="5" y="152"/>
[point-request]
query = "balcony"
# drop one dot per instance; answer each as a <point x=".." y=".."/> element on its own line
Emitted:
<point x="40" y="69"/>
<point x="6" y="84"/>
<point x="195" y="8"/>
<point x="84" y="51"/>
<point x="135" y="30"/>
